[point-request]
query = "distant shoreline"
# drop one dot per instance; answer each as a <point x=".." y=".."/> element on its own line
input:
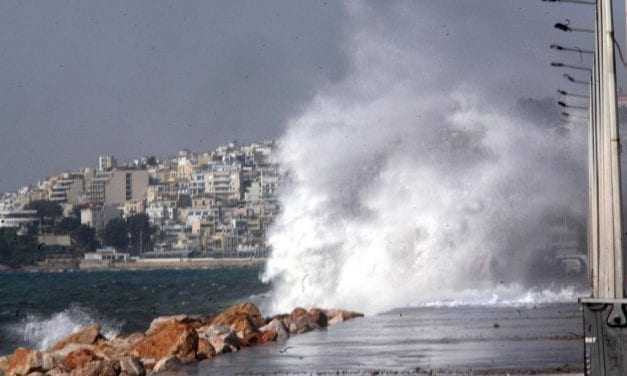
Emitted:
<point x="148" y="264"/>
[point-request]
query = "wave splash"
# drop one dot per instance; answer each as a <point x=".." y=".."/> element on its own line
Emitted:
<point x="41" y="332"/>
<point x="401" y="193"/>
<point x="510" y="296"/>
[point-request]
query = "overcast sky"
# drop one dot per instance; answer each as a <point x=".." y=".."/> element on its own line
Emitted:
<point x="133" y="78"/>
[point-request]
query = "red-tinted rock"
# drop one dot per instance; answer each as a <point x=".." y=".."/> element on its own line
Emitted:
<point x="233" y="313"/>
<point x="79" y="358"/>
<point x="267" y="336"/>
<point x="170" y="339"/>
<point x="169" y="363"/>
<point x="317" y="318"/>
<point x="23" y="361"/>
<point x="276" y="326"/>
<point x="86" y="336"/>
<point x="98" y="368"/>
<point x="191" y="320"/>
<point x="205" y="350"/>
<point x="130" y="366"/>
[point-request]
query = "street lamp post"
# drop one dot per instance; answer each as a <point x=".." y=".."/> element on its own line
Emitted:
<point x="605" y="318"/>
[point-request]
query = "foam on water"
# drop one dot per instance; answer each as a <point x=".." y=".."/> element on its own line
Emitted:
<point x="41" y="332"/>
<point x="509" y="296"/>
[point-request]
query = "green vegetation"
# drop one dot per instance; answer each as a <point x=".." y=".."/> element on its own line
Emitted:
<point x="17" y="250"/>
<point x="133" y="235"/>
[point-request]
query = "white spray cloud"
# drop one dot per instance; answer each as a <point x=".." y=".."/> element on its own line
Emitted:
<point x="404" y="194"/>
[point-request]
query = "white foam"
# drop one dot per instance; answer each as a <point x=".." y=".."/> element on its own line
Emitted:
<point x="509" y="296"/>
<point x="42" y="332"/>
<point x="401" y="192"/>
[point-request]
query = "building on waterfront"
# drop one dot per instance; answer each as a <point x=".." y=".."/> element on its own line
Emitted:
<point x="107" y="255"/>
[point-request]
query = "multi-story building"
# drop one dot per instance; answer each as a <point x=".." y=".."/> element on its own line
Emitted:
<point x="224" y="181"/>
<point x="17" y="218"/>
<point x="106" y="163"/>
<point x="67" y="188"/>
<point x="126" y="185"/>
<point x="116" y="186"/>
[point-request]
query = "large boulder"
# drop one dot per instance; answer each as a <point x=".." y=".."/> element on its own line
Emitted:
<point x="337" y="315"/>
<point x="243" y="327"/>
<point x="222" y="338"/>
<point x="79" y="358"/>
<point x="276" y="326"/>
<point x="118" y="347"/>
<point x="234" y="313"/>
<point x="170" y="339"/>
<point x="169" y="363"/>
<point x="98" y="368"/>
<point x="4" y="364"/>
<point x="86" y="336"/>
<point x="317" y="318"/>
<point x="57" y="372"/>
<point x="130" y="366"/>
<point x="205" y="350"/>
<point x="265" y="337"/>
<point x="191" y="320"/>
<point x="23" y="361"/>
<point x="299" y="321"/>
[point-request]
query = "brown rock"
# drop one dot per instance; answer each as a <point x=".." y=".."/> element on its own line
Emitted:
<point x="87" y="336"/>
<point x="298" y="312"/>
<point x="148" y="363"/>
<point x="4" y="363"/>
<point x="98" y="368"/>
<point x="191" y="320"/>
<point x="205" y="350"/>
<point x="57" y="372"/>
<point x="267" y="336"/>
<point x="317" y="318"/>
<point x="338" y="315"/>
<point x="243" y="327"/>
<point x="167" y="364"/>
<point x="222" y="338"/>
<point x="79" y="358"/>
<point x="23" y="361"/>
<point x="250" y="339"/>
<point x="170" y="339"/>
<point x="230" y="315"/>
<point x="118" y="347"/>
<point x="130" y="366"/>
<point x="277" y="326"/>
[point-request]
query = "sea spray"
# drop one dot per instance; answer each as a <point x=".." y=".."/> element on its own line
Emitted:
<point x="400" y="193"/>
<point x="42" y="332"/>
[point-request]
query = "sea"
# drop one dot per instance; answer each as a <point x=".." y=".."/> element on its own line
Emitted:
<point x="37" y="309"/>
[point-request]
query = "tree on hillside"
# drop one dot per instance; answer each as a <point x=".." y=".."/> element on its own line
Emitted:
<point x="67" y="224"/>
<point x="115" y="234"/>
<point x="17" y="250"/>
<point x="140" y="233"/>
<point x="84" y="237"/>
<point x="47" y="211"/>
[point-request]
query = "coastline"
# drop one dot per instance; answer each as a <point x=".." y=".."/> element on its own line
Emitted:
<point x="169" y="343"/>
<point x="146" y="264"/>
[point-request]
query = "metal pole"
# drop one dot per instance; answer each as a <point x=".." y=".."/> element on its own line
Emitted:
<point x="610" y="230"/>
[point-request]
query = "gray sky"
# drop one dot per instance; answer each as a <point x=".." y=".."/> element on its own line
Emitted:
<point x="133" y="78"/>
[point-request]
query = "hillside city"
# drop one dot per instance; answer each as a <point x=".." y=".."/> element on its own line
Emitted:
<point x="216" y="203"/>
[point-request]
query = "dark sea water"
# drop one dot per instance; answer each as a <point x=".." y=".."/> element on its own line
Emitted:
<point x="36" y="309"/>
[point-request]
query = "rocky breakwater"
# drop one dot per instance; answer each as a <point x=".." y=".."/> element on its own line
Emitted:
<point x="168" y="343"/>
